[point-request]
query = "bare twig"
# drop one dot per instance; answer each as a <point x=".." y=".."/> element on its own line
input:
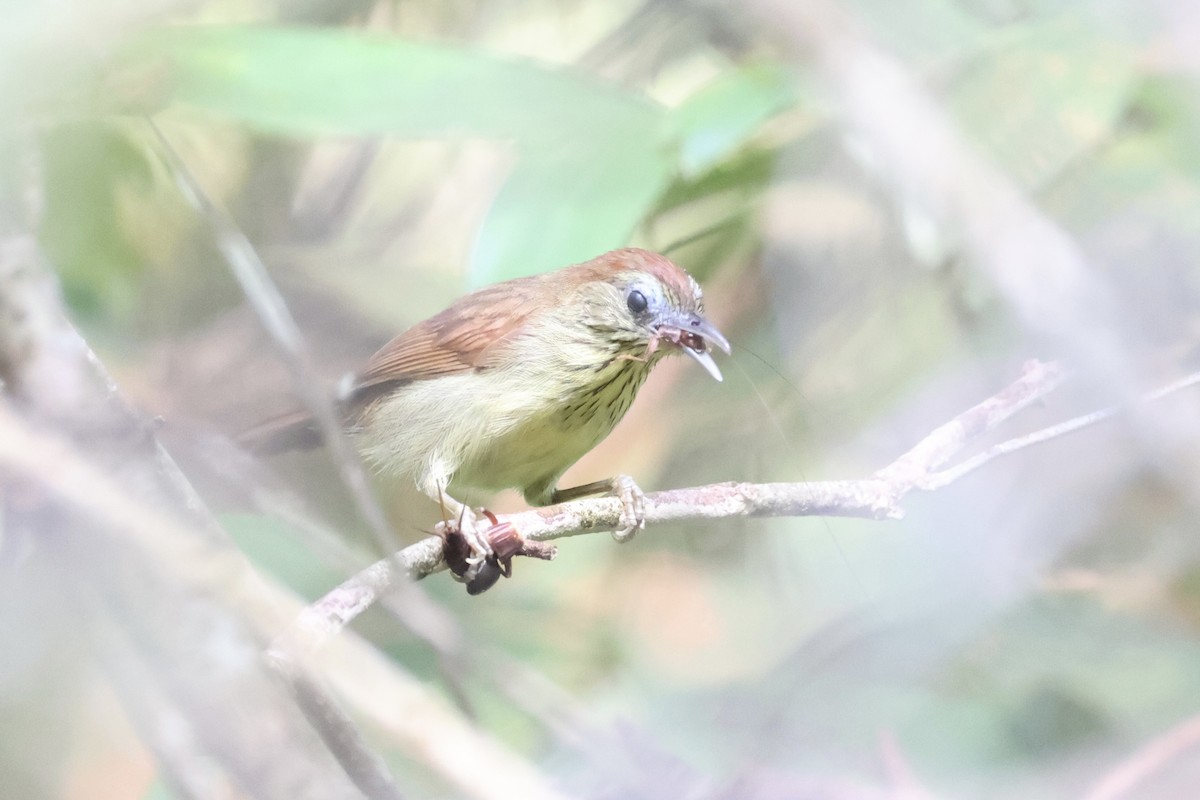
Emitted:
<point x="877" y="498"/>
<point x="905" y="785"/>
<point x="339" y="733"/>
<point x="874" y="498"/>
<point x="34" y="343"/>
<point x="1147" y="760"/>
<point x="188" y="771"/>
<point x="252" y="275"/>
<point x="911" y="469"/>
<point x="973" y="463"/>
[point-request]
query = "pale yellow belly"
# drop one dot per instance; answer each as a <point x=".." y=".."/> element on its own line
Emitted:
<point x="532" y="455"/>
<point x="524" y="434"/>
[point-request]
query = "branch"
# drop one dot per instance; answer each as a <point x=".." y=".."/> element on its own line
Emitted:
<point x="878" y="497"/>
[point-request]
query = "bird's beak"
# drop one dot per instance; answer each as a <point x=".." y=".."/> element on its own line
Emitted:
<point x="696" y="336"/>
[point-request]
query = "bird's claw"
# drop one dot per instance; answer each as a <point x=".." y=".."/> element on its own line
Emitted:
<point x="475" y="534"/>
<point x="466" y="547"/>
<point x="487" y="556"/>
<point x="633" y="507"/>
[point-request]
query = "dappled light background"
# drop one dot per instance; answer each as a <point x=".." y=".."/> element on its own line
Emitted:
<point x="891" y="206"/>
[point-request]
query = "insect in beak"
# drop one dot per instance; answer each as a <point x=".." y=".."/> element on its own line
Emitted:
<point x="695" y="336"/>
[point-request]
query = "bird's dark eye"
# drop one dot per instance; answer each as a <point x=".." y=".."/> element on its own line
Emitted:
<point x="637" y="301"/>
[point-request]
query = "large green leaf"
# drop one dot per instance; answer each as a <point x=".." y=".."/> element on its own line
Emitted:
<point x="592" y="158"/>
<point x="590" y="200"/>
<point x="310" y="82"/>
<point x="717" y="119"/>
<point x="564" y="207"/>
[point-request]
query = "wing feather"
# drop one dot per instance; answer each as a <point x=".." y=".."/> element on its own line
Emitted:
<point x="459" y="339"/>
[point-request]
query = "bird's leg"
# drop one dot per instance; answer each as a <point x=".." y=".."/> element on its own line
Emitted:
<point x="480" y="552"/>
<point x="622" y="487"/>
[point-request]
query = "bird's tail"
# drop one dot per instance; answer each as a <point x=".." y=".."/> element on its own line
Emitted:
<point x="294" y="431"/>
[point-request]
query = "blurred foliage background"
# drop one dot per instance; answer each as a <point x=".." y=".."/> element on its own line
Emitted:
<point x="1019" y="634"/>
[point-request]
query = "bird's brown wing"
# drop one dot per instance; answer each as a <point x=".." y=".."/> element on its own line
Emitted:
<point x="459" y="339"/>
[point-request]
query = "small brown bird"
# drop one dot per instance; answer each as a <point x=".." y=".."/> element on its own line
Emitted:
<point x="512" y="384"/>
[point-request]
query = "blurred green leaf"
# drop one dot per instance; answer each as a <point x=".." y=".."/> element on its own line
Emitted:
<point x="924" y="31"/>
<point x="1043" y="95"/>
<point x="716" y="120"/>
<point x="565" y="207"/>
<point x="591" y="164"/>
<point x="276" y="548"/>
<point x="747" y="173"/>
<point x="1150" y="170"/>
<point x="316" y="82"/>
<point x="591" y="197"/>
<point x="158" y="791"/>
<point x="1127" y="668"/>
<point x="593" y="158"/>
<point x="1162" y="139"/>
<point x="98" y="262"/>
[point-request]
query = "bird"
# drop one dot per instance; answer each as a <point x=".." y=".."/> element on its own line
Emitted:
<point x="513" y="383"/>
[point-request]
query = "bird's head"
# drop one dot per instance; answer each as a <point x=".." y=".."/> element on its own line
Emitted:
<point x="652" y="307"/>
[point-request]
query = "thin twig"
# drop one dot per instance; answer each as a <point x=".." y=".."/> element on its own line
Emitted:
<point x="251" y="273"/>
<point x="948" y="476"/>
<point x="337" y="730"/>
<point x="136" y="510"/>
<point x="905" y="785"/>
<point x="152" y="599"/>
<point x="1037" y="380"/>
<point x="268" y="304"/>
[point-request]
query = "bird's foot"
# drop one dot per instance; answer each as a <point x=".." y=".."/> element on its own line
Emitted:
<point x="485" y="555"/>
<point x="622" y="487"/>
<point x="633" y="507"/>
<point x="475" y="533"/>
<point x="467" y="543"/>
